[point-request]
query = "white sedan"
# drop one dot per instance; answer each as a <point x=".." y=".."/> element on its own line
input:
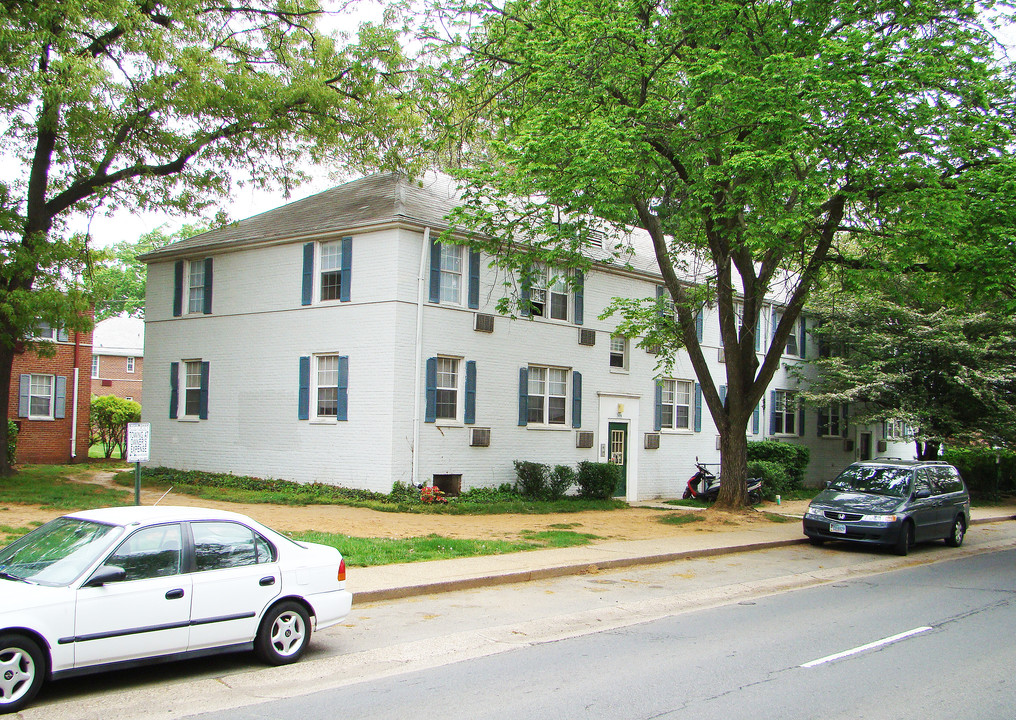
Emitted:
<point x="102" y="589"/>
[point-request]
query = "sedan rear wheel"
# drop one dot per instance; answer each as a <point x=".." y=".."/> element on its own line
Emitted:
<point x="284" y="634"/>
<point x="959" y="530"/>
<point x="22" y="671"/>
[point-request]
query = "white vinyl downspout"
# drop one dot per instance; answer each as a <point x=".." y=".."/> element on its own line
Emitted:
<point x="421" y="282"/>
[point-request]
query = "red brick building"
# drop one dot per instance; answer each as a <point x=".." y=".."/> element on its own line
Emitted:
<point x="50" y="399"/>
<point x="118" y="347"/>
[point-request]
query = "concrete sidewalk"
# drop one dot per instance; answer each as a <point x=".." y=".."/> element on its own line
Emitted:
<point x="387" y="582"/>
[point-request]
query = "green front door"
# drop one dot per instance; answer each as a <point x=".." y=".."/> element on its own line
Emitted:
<point x="617" y="434"/>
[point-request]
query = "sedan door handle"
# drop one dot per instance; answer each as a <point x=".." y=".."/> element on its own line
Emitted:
<point x="174" y="594"/>
<point x="266" y="581"/>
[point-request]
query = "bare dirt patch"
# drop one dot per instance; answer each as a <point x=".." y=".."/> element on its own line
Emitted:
<point x="635" y="523"/>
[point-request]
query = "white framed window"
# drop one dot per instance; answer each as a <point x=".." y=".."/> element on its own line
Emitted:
<point x="793" y="341"/>
<point x="44" y="331"/>
<point x="785" y="412"/>
<point x="130" y="365"/>
<point x="192" y="388"/>
<point x="326" y="387"/>
<point x="95" y="367"/>
<point x="447" y="389"/>
<point x="676" y="406"/>
<point x="832" y="420"/>
<point x="40" y="397"/>
<point x="548" y="295"/>
<point x="128" y="398"/>
<point x="330" y="277"/>
<point x="899" y="430"/>
<point x="196" y="286"/>
<point x="618" y="352"/>
<point x="548" y="395"/>
<point x="451" y="266"/>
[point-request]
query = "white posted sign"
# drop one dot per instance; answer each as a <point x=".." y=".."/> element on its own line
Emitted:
<point x="139" y="438"/>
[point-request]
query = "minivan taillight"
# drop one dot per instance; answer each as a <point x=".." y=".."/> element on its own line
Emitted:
<point x="342" y="571"/>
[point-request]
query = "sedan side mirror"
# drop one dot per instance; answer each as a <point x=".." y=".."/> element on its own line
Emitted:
<point x="106" y="574"/>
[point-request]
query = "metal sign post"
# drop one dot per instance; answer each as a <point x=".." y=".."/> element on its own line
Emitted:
<point x="139" y="439"/>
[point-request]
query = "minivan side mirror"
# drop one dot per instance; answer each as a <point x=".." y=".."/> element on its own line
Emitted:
<point x="106" y="574"/>
<point x="921" y="494"/>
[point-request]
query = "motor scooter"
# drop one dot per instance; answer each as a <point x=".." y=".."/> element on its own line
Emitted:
<point x="705" y="486"/>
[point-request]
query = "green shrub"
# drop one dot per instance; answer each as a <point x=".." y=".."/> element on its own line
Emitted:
<point x="793" y="458"/>
<point x="108" y="422"/>
<point x="531" y="479"/>
<point x="403" y="493"/>
<point x="977" y="466"/>
<point x="775" y="479"/>
<point x="12" y="441"/>
<point x="505" y="492"/>
<point x="559" y="481"/>
<point x="598" y="481"/>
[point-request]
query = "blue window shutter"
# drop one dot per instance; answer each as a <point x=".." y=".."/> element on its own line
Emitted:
<point x="800" y="418"/>
<point x="823" y="422"/>
<point x="435" y="270"/>
<point x="804" y="336"/>
<point x="700" y="325"/>
<point x="526" y="282"/>
<point x="474" y="279"/>
<point x="661" y="304"/>
<point x="24" y="398"/>
<point x="698" y="408"/>
<point x="174" y="389"/>
<point x="523" y="396"/>
<point x="203" y="398"/>
<point x="723" y="395"/>
<point x="307" y="297"/>
<point x="207" y="308"/>
<point x="346" y="274"/>
<point x="758" y="333"/>
<point x="772" y="411"/>
<point x="470" y="409"/>
<point x="303" y="398"/>
<point x="342" y="412"/>
<point x="62" y="335"/>
<point x="576" y="407"/>
<point x="60" y="406"/>
<point x="755" y="419"/>
<point x="843" y="418"/>
<point x="178" y="288"/>
<point x="580" y="289"/>
<point x="658" y="413"/>
<point x="776" y="321"/>
<point x="430" y="413"/>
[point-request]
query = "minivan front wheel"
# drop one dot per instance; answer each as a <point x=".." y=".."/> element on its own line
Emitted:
<point x="959" y="530"/>
<point x="905" y="540"/>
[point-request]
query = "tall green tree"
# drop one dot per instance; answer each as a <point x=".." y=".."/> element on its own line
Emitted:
<point x="143" y="105"/>
<point x="747" y="138"/>
<point x="117" y="281"/>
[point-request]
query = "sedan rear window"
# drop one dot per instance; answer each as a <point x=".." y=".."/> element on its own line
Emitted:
<point x="58" y="552"/>
<point x="873" y="480"/>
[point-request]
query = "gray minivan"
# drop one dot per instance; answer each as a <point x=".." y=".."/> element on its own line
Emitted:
<point x="891" y="502"/>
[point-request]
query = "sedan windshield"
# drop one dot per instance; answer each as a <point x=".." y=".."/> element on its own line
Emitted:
<point x="56" y="553"/>
<point x="891" y="481"/>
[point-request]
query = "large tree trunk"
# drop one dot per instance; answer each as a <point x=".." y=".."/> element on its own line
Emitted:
<point x="734" y="472"/>
<point x="928" y="450"/>
<point x="6" y="367"/>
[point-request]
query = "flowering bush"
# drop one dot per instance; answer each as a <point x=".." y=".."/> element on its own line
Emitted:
<point x="431" y="494"/>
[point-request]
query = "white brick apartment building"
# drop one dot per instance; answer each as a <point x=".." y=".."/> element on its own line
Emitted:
<point x="333" y="340"/>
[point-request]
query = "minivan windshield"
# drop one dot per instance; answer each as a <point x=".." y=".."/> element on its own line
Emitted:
<point x="874" y="480"/>
<point x="56" y="553"/>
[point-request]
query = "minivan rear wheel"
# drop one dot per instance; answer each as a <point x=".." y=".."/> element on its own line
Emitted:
<point x="905" y="540"/>
<point x="959" y="530"/>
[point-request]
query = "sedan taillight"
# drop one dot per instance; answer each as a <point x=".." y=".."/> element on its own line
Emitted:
<point x="342" y="571"/>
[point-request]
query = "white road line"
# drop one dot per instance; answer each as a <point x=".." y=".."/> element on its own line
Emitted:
<point x="869" y="646"/>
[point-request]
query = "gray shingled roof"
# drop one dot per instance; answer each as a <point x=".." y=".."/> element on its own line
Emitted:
<point x="373" y="200"/>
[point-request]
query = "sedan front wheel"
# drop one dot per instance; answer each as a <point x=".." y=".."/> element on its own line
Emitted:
<point x="22" y="670"/>
<point x="284" y="634"/>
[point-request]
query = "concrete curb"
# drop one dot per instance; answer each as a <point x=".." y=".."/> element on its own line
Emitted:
<point x="562" y="570"/>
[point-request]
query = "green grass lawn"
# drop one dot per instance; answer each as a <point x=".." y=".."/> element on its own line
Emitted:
<point x="50" y="486"/>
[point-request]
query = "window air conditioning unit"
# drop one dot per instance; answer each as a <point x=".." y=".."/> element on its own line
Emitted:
<point x="584" y="439"/>
<point x="652" y="441"/>
<point x="587" y="336"/>
<point x="882" y="446"/>
<point x="482" y="322"/>
<point x="479" y="437"/>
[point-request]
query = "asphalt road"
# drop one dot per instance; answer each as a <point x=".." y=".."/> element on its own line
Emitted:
<point x="717" y="637"/>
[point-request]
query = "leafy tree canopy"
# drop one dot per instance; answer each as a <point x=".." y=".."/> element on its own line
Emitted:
<point x="746" y="138"/>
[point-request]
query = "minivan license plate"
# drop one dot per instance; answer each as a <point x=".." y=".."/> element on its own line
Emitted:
<point x="838" y="528"/>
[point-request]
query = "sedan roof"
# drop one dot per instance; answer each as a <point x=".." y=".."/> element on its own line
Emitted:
<point x="141" y="515"/>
